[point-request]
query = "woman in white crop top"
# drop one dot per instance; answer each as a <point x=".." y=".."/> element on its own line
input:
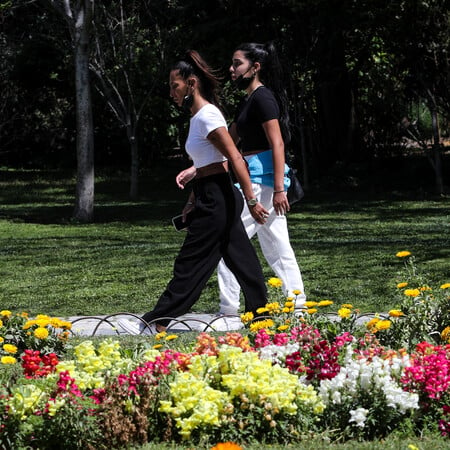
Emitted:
<point x="257" y="127"/>
<point x="215" y="230"/>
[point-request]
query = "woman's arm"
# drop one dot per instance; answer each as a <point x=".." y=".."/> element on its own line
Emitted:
<point x="185" y="176"/>
<point x="222" y="140"/>
<point x="273" y="134"/>
<point x="233" y="133"/>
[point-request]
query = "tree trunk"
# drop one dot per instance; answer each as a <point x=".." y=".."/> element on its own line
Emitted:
<point x="436" y="152"/>
<point x="333" y="101"/>
<point x="134" y="169"/>
<point x="84" y="201"/>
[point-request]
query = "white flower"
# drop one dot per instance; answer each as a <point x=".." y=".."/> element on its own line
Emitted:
<point x="277" y="353"/>
<point x="336" y="397"/>
<point x="358" y="416"/>
<point x="361" y="376"/>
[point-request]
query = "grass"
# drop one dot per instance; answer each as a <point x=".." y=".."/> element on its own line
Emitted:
<point x="345" y="244"/>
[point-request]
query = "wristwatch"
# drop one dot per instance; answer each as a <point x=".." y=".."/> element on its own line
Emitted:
<point x="252" y="202"/>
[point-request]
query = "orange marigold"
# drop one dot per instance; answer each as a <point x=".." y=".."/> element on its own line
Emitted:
<point x="227" y="446"/>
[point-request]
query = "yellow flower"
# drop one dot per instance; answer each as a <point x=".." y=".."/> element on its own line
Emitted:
<point x="371" y="324"/>
<point x="411" y="292"/>
<point x="345" y="313"/>
<point x="41" y="333"/>
<point x="347" y="305"/>
<point x="161" y="335"/>
<point x="325" y="303"/>
<point x="296" y="291"/>
<point x="311" y="310"/>
<point x="283" y="327"/>
<point x="42" y="321"/>
<point x="273" y="307"/>
<point x="171" y="337"/>
<point x="402" y="285"/>
<point x="8" y="360"/>
<point x="310" y="304"/>
<point x="275" y="282"/>
<point x="403" y="254"/>
<point x="413" y="447"/>
<point x="227" y="446"/>
<point x="157" y="346"/>
<point x="262" y="310"/>
<point x="42" y="316"/>
<point x="445" y="286"/>
<point x="396" y="313"/>
<point x="383" y="324"/>
<point x="9" y="348"/>
<point x="5" y="313"/>
<point x="289" y="304"/>
<point x="1" y="323"/>
<point x="247" y="317"/>
<point x="445" y="334"/>
<point x="1" y="339"/>
<point x="261" y="324"/>
<point x="29" y="324"/>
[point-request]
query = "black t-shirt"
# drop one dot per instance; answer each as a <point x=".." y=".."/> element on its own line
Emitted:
<point x="252" y="112"/>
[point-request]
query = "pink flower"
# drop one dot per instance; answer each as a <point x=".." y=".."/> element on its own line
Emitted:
<point x="429" y="374"/>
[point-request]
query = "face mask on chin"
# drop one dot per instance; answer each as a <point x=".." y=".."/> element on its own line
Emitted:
<point x="242" y="83"/>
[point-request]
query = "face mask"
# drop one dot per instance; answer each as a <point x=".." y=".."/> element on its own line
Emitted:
<point x="243" y="83"/>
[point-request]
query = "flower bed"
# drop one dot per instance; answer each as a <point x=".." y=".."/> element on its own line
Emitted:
<point x="286" y="378"/>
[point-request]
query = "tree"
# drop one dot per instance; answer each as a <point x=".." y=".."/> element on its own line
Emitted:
<point x="127" y="65"/>
<point x="425" y="58"/>
<point x="78" y="16"/>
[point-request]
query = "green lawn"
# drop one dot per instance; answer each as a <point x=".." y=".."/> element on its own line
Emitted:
<point x="345" y="244"/>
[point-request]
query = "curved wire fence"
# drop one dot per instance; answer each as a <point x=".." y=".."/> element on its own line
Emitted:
<point x="101" y="325"/>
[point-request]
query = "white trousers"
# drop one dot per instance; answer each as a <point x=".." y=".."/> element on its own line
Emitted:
<point x="273" y="237"/>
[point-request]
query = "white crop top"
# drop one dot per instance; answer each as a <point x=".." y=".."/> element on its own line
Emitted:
<point x="198" y="147"/>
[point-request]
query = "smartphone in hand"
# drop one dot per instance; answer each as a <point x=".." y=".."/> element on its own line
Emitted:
<point x="179" y="224"/>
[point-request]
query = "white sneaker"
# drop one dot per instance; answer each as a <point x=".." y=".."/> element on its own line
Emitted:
<point x="133" y="328"/>
<point x="227" y="323"/>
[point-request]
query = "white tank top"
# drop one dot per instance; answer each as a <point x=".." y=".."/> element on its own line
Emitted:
<point x="198" y="147"/>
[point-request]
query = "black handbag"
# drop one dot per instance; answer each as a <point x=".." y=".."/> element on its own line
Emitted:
<point x="295" y="191"/>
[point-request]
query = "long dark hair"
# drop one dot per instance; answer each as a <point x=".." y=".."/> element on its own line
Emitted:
<point x="271" y="76"/>
<point x="193" y="64"/>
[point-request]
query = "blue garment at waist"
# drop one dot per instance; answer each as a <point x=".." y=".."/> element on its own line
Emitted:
<point x="261" y="169"/>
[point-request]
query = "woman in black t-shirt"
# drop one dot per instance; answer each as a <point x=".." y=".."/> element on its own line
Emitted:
<point x="260" y="124"/>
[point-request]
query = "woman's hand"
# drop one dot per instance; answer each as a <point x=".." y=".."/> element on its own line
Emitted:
<point x="185" y="176"/>
<point x="281" y="203"/>
<point x="188" y="207"/>
<point x="259" y="213"/>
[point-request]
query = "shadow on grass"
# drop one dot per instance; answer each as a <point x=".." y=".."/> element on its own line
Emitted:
<point x="47" y="197"/>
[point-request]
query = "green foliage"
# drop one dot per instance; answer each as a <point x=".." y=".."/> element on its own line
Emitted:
<point x="351" y="69"/>
<point x="421" y="312"/>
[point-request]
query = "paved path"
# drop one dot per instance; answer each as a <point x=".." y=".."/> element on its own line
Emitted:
<point x="107" y="325"/>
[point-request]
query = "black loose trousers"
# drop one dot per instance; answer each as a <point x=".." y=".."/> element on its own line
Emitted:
<point x="216" y="232"/>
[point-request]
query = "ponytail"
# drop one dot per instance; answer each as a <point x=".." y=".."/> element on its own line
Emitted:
<point x="194" y="65"/>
